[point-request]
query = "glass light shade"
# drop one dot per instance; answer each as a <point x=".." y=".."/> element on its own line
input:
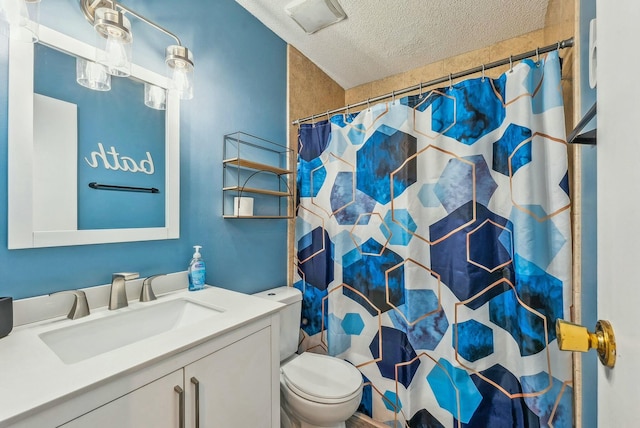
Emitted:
<point x="182" y="82"/>
<point x="92" y="75"/>
<point x="179" y="62"/>
<point x="114" y="41"/>
<point x="20" y="19"/>
<point x="155" y="97"/>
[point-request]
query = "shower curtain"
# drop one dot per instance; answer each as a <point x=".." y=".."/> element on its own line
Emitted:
<point x="434" y="251"/>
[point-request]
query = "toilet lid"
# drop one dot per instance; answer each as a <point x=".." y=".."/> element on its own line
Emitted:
<point x="306" y="376"/>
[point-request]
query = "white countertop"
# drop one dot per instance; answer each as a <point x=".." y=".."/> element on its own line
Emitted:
<point x="32" y="376"/>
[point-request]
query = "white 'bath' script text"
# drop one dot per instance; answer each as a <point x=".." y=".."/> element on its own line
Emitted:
<point x="112" y="160"/>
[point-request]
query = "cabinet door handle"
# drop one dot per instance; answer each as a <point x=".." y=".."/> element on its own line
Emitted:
<point x="180" y="392"/>
<point x="196" y="384"/>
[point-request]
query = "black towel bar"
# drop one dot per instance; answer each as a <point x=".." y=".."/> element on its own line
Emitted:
<point x="98" y="186"/>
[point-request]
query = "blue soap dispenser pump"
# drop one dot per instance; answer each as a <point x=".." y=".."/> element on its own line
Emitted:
<point x="197" y="271"/>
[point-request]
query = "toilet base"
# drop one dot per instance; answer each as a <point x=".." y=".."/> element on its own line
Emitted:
<point x="289" y="421"/>
<point x="299" y="409"/>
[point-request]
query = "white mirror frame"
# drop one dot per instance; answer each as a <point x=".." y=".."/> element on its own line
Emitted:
<point x="21" y="233"/>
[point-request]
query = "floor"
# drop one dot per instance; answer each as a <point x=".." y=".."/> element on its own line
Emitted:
<point x="362" y="421"/>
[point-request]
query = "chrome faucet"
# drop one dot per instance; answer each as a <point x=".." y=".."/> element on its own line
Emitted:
<point x="146" y="293"/>
<point x="80" y="307"/>
<point x="118" y="295"/>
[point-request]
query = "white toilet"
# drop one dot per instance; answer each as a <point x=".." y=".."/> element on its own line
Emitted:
<point x="315" y="390"/>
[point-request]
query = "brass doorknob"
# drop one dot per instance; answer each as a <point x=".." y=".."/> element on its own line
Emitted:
<point x="574" y="337"/>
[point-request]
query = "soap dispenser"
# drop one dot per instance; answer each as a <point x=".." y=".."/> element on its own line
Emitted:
<point x="196" y="270"/>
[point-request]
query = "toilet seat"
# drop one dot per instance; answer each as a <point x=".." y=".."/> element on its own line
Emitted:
<point x="306" y="376"/>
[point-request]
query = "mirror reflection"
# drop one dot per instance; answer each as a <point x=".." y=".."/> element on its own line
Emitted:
<point x="120" y="141"/>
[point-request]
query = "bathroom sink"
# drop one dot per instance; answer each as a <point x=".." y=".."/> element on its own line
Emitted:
<point x="88" y="339"/>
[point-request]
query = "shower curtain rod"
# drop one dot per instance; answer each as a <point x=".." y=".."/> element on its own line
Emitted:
<point x="567" y="43"/>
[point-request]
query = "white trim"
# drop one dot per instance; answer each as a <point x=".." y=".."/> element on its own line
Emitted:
<point x="20" y="150"/>
<point x="21" y="233"/>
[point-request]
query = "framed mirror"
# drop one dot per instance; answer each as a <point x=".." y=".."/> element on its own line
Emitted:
<point x="84" y="166"/>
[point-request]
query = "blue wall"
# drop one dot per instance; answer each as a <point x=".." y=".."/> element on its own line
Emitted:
<point x="589" y="226"/>
<point x="240" y="85"/>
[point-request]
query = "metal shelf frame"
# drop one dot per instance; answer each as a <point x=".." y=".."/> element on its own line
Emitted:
<point x="256" y="156"/>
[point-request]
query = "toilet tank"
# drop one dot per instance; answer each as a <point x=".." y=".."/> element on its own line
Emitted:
<point x="289" y="317"/>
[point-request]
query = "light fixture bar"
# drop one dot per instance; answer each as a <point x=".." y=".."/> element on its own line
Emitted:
<point x="89" y="10"/>
<point x="117" y="30"/>
<point x="89" y="7"/>
<point x="151" y="23"/>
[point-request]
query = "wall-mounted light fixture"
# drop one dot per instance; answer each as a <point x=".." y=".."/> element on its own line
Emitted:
<point x="113" y="40"/>
<point x="92" y="75"/>
<point x="180" y="67"/>
<point x="20" y="19"/>
<point x="114" y="50"/>
<point x="155" y="96"/>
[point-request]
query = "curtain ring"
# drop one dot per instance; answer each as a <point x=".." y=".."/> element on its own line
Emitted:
<point x="450" y="82"/>
<point x="368" y="105"/>
<point x="510" y="63"/>
<point x="537" y="55"/>
<point x="483" y="76"/>
<point x="328" y="117"/>
<point x="420" y="89"/>
<point x="347" y="111"/>
<point x="393" y="97"/>
<point x="313" y="122"/>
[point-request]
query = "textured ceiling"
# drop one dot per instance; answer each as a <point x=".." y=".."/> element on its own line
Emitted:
<point x="381" y="38"/>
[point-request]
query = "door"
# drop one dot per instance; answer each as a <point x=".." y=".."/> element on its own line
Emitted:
<point x="154" y="405"/>
<point x="618" y="190"/>
<point x="232" y="387"/>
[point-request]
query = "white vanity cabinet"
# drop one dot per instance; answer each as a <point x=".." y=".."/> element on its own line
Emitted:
<point x="230" y="379"/>
<point x="228" y="388"/>
<point x="233" y="386"/>
<point x="216" y="365"/>
<point x="154" y="405"/>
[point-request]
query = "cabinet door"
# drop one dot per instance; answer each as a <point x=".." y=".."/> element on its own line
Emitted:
<point x="234" y="385"/>
<point x="154" y="405"/>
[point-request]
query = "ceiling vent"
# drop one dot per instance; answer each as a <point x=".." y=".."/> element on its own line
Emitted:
<point x="314" y="15"/>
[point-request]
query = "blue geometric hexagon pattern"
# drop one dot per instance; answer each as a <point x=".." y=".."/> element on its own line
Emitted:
<point x="529" y="312"/>
<point x="422" y="332"/>
<point x="400" y="227"/>
<point x="387" y="149"/>
<point x="346" y="205"/>
<point x="433" y="250"/>
<point x="454" y="258"/>
<point x="506" y="160"/>
<point x="352" y="324"/>
<point x="465" y="180"/>
<point x="554" y="407"/>
<point x="338" y="339"/>
<point x="313" y="140"/>
<point x="473" y="340"/>
<point x="311" y="321"/>
<point x="311" y="177"/>
<point x="454" y="390"/>
<point x="314" y="257"/>
<point x="500" y="389"/>
<point x="483" y="111"/>
<point x="367" y="277"/>
<point x="390" y="355"/>
<point x="392" y="402"/>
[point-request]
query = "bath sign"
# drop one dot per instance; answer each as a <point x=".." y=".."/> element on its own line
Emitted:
<point x="113" y="160"/>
